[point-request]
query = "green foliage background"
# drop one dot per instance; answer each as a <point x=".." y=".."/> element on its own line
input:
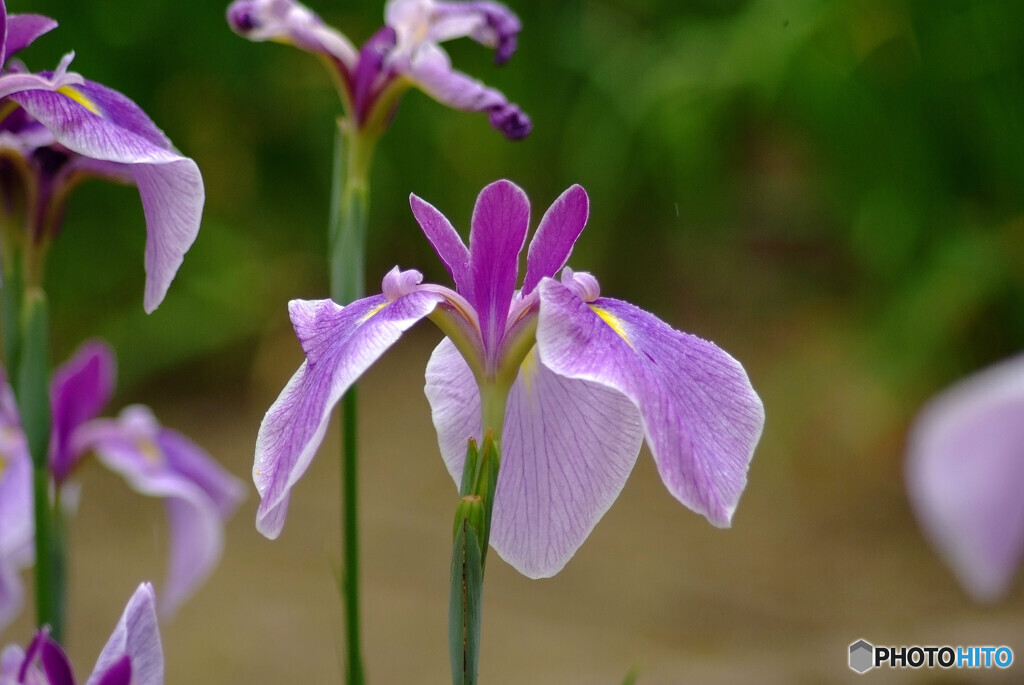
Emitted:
<point x="743" y="157"/>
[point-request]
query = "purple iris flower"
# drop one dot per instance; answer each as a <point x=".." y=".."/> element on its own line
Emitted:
<point x="66" y="128"/>
<point x="200" y="496"/>
<point x="965" y="477"/>
<point x="570" y="383"/>
<point x="404" y="53"/>
<point x="16" y="519"/>
<point x="132" y="655"/>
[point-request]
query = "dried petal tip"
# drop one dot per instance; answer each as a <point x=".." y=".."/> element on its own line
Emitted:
<point x="511" y="121"/>
<point x="241" y="17"/>
<point x="398" y="283"/>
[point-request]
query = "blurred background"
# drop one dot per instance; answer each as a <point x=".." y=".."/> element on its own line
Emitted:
<point x="829" y="190"/>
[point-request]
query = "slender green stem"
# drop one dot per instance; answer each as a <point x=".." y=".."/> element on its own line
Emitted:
<point x="347" y="239"/>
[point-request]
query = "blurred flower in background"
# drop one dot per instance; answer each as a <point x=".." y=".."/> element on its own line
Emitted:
<point x="965" y="477"/>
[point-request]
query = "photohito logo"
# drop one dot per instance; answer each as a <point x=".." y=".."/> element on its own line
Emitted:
<point x="864" y="656"/>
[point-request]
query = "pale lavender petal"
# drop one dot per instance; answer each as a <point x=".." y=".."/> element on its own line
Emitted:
<point x="552" y="243"/>
<point x="101" y="124"/>
<point x="137" y="636"/>
<point x="340" y="344"/>
<point x="431" y="69"/>
<point x="567" y="448"/>
<point x="446" y="243"/>
<point x="965" y="476"/>
<point x="188" y="459"/>
<point x="285" y="21"/>
<point x="701" y="417"/>
<point x="79" y="391"/>
<point x="11" y="659"/>
<point x="488" y="23"/>
<point x="501" y="218"/>
<point x="56" y="664"/>
<point x="22" y="29"/>
<point x="16" y="514"/>
<point x="131" y="446"/>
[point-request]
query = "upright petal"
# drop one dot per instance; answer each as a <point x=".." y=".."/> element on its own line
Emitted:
<point x="341" y="343"/>
<point x="79" y="391"/>
<point x="965" y="476"/>
<point x="553" y="242"/>
<point x="701" y="417"/>
<point x="446" y="243"/>
<point x="101" y="124"/>
<point x="56" y="664"/>
<point x="430" y="68"/>
<point x="22" y="29"/>
<point x="501" y="218"/>
<point x="567" y="448"/>
<point x="136" y="636"/>
<point x="285" y="21"/>
<point x="130" y="446"/>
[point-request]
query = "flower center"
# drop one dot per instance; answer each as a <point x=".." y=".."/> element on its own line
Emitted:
<point x="150" y="452"/>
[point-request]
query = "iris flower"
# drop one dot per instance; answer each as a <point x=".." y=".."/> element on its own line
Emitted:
<point x="16" y="522"/>
<point x="965" y="477"/>
<point x="569" y="381"/>
<point x="132" y="655"/>
<point x="198" y="493"/>
<point x="403" y="54"/>
<point x="66" y="128"/>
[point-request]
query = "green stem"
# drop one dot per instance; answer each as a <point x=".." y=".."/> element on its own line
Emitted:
<point x="353" y="151"/>
<point x="31" y="385"/>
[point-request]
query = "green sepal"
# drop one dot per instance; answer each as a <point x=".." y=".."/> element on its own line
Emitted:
<point x="464" y="610"/>
<point x="31" y="387"/>
<point x="471" y="509"/>
<point x="486" y="484"/>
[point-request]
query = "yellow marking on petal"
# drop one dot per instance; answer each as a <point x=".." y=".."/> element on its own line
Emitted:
<point x="3" y="467"/>
<point x="7" y="109"/>
<point x="80" y="97"/>
<point x="613" y="322"/>
<point x="150" y="452"/>
<point x="528" y="368"/>
<point x="373" y="311"/>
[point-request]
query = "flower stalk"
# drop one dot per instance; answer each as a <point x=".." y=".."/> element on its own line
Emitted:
<point x="347" y="244"/>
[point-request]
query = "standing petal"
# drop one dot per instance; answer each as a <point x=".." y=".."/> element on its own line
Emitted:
<point x="501" y="218"/>
<point x="99" y="123"/>
<point x="552" y="243"/>
<point x="22" y="29"/>
<point x="567" y="448"/>
<point x="80" y="388"/>
<point x="701" y="417"/>
<point x="136" y="636"/>
<point x="965" y="476"/>
<point x="340" y="344"/>
<point x="446" y="243"/>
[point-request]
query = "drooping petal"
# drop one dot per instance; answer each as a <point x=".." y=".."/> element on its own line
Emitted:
<point x="194" y="463"/>
<point x="488" y="23"/>
<point x="552" y="243"/>
<point x="285" y="21"/>
<point x="80" y="388"/>
<point x="101" y="124"/>
<point x="446" y="243"/>
<point x="131" y="446"/>
<point x="430" y="68"/>
<point x="965" y="476"/>
<point x="701" y="417"/>
<point x="567" y="448"/>
<point x="136" y="636"/>
<point x="341" y="343"/>
<point x="22" y="29"/>
<point x="501" y="218"/>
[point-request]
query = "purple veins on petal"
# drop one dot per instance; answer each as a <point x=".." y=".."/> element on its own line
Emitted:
<point x="965" y="475"/>
<point x="556" y="235"/>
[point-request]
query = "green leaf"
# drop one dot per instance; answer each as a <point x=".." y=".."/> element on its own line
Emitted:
<point x="464" y="610"/>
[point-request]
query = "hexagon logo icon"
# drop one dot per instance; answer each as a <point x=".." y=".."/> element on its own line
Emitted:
<point x="862" y="656"/>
